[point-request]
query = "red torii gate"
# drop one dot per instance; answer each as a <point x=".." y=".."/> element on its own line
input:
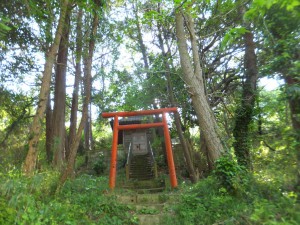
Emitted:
<point x="117" y="127"/>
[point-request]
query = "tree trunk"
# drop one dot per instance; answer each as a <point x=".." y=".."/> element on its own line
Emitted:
<point x="194" y="81"/>
<point x="244" y="112"/>
<point x="49" y="115"/>
<point x="87" y="139"/>
<point x="186" y="152"/>
<point x="159" y="131"/>
<point x="141" y="42"/>
<point x="74" y="107"/>
<point x="294" y="103"/>
<point x="87" y="81"/>
<point x="92" y="142"/>
<point x="204" y="150"/>
<point x="35" y="130"/>
<point x="88" y="135"/>
<point x="60" y="96"/>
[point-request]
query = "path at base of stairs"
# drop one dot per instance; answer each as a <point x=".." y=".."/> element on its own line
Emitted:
<point x="151" y="209"/>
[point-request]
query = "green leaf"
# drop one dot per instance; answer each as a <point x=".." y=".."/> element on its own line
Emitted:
<point x="292" y="5"/>
<point x="232" y="35"/>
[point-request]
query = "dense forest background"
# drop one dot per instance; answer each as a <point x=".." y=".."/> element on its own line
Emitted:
<point x="231" y="67"/>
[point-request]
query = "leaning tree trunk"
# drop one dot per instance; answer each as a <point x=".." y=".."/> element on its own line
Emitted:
<point x="87" y="81"/>
<point x="58" y="135"/>
<point x="192" y="76"/>
<point x="205" y="152"/>
<point x="244" y="112"/>
<point x="35" y="130"/>
<point x="183" y="141"/>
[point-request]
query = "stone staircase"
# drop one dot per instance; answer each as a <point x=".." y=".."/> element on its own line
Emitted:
<point x="141" y="167"/>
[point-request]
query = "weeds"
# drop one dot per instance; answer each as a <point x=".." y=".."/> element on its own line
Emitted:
<point x="81" y="201"/>
<point x="210" y="202"/>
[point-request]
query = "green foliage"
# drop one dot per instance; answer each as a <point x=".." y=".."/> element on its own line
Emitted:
<point x="261" y="6"/>
<point x="274" y="155"/>
<point x="7" y="214"/>
<point x="81" y="201"/>
<point x="205" y="203"/>
<point x="281" y="210"/>
<point x="229" y="173"/>
<point x="148" y="211"/>
<point x="208" y="203"/>
<point x="293" y="91"/>
<point x="100" y="166"/>
<point x="3" y="27"/>
<point x="232" y="36"/>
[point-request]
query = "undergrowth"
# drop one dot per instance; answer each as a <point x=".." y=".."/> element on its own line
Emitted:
<point x="83" y="200"/>
<point x="229" y="196"/>
<point x="239" y="198"/>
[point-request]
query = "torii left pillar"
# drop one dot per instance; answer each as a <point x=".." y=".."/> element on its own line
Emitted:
<point x="117" y="127"/>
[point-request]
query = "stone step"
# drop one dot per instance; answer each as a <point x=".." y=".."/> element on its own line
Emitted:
<point x="148" y="219"/>
<point x="145" y="186"/>
<point x="149" y="208"/>
<point x="143" y="171"/>
<point x="136" y="177"/>
<point x="140" y="173"/>
<point x="141" y="166"/>
<point x="141" y="162"/>
<point x="141" y="199"/>
<point x="141" y="178"/>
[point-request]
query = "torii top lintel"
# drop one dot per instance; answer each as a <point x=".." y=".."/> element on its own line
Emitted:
<point x="138" y="113"/>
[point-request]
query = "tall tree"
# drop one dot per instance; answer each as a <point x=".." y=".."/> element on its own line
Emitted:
<point x="74" y="107"/>
<point x="35" y="130"/>
<point x="59" y="111"/>
<point x="183" y="141"/>
<point x="244" y="112"/>
<point x="193" y="77"/>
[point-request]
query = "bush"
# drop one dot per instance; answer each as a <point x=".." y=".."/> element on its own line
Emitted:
<point x="282" y="210"/>
<point x="99" y="167"/>
<point x="230" y="174"/>
<point x="206" y="203"/>
<point x="7" y="214"/>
